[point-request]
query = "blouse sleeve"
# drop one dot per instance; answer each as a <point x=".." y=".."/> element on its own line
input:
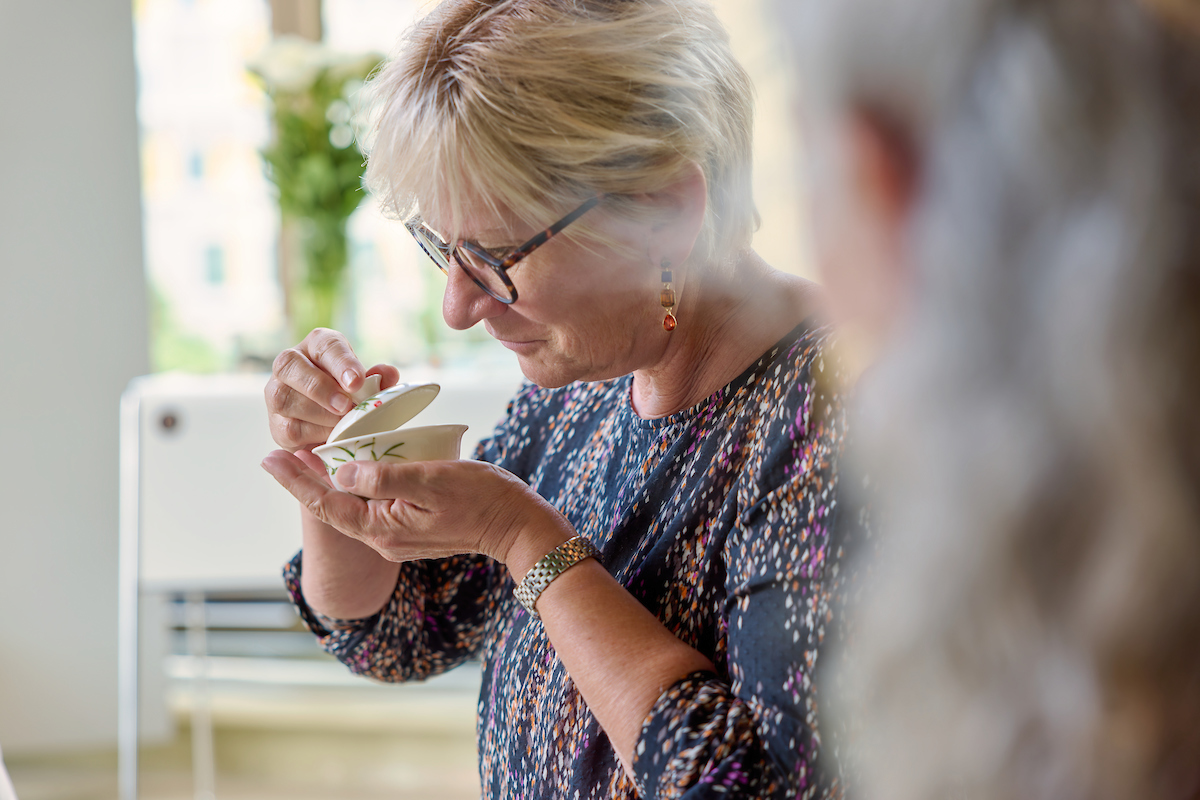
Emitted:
<point x="433" y="622"/>
<point x="753" y="732"/>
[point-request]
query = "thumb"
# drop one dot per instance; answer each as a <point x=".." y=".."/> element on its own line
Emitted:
<point x="378" y="480"/>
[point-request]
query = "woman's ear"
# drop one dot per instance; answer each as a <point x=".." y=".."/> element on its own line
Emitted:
<point x="883" y="171"/>
<point x="676" y="214"/>
<point x="863" y="182"/>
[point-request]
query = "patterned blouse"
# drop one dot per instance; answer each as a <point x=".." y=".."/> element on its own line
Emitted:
<point x="718" y="519"/>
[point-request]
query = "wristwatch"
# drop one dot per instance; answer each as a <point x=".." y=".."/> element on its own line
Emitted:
<point x="549" y="567"/>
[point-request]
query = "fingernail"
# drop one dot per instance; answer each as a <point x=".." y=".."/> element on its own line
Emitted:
<point x="348" y="377"/>
<point x="346" y="474"/>
<point x="341" y="403"/>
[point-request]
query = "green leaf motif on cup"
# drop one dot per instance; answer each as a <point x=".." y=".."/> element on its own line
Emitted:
<point x="370" y="447"/>
<point x="388" y="453"/>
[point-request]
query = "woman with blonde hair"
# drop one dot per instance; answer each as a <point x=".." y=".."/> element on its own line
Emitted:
<point x="1022" y="181"/>
<point x="640" y="555"/>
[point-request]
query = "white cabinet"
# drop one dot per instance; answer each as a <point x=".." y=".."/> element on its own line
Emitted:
<point x="210" y="517"/>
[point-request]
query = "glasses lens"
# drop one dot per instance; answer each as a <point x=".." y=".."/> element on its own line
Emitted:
<point x="434" y="247"/>
<point x="483" y="273"/>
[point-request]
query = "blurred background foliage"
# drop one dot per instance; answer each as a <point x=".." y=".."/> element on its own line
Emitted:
<point x="316" y="166"/>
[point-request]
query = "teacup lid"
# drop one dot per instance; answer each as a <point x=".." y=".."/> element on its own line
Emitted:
<point x="377" y="411"/>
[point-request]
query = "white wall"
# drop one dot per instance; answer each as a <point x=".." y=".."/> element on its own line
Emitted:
<point x="72" y="334"/>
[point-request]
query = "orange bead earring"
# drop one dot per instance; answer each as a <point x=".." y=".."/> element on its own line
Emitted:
<point x="667" y="296"/>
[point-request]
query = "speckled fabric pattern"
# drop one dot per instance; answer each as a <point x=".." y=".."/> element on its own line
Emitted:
<point x="718" y="519"/>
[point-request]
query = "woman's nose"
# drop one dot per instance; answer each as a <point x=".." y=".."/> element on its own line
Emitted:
<point x="464" y="303"/>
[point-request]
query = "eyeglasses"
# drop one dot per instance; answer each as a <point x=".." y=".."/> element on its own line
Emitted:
<point x="489" y="272"/>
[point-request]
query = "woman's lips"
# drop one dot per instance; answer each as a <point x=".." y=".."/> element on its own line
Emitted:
<point x="520" y="348"/>
<point x="515" y="343"/>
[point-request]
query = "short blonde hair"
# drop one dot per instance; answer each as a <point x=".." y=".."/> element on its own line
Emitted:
<point x="536" y="105"/>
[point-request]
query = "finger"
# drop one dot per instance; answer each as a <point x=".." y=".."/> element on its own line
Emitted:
<point x="297" y="371"/>
<point x="313" y="462"/>
<point x="293" y="434"/>
<point x="380" y="481"/>
<point x="389" y="376"/>
<point x="331" y="352"/>
<point x="347" y="513"/>
<point x="285" y="401"/>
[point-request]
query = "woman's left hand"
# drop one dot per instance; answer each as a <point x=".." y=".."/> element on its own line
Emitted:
<point x="429" y="509"/>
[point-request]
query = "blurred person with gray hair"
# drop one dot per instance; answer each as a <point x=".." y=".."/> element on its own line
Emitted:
<point x="1007" y="198"/>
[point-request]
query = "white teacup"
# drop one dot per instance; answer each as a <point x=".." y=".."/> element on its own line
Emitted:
<point x="401" y="446"/>
<point x="371" y="431"/>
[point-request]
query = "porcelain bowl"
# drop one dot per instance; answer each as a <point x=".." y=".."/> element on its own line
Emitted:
<point x="400" y="446"/>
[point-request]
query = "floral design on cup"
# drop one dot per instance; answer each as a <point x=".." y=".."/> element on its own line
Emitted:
<point x="353" y="455"/>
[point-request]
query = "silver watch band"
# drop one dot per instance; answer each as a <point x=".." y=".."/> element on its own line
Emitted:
<point x="549" y="567"/>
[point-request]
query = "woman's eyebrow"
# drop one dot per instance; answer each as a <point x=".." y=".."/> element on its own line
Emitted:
<point x="466" y="232"/>
<point x="496" y="251"/>
<point x="496" y="239"/>
<point x="505" y="235"/>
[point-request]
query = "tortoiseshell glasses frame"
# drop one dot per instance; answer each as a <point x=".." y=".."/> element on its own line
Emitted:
<point x="486" y="270"/>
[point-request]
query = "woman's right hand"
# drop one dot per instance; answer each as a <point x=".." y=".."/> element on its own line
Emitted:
<point x="310" y="387"/>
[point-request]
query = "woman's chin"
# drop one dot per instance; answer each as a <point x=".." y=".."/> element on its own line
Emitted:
<point x="548" y="372"/>
<point x="543" y="375"/>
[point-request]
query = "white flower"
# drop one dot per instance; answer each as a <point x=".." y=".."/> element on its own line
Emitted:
<point x="289" y="64"/>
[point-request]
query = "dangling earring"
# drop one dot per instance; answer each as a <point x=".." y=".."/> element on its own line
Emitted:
<point x="667" y="296"/>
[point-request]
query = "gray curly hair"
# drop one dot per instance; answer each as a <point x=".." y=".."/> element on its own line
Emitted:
<point x="1031" y="627"/>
